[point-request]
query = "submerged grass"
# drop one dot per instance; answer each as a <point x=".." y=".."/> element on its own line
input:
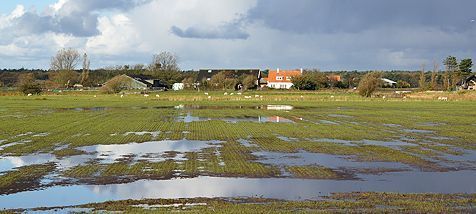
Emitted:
<point x="365" y="202"/>
<point x="24" y="178"/>
<point x="316" y="172"/>
<point x="29" y="125"/>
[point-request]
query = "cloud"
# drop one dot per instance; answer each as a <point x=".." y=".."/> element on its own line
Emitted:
<point x="325" y="34"/>
<point x="77" y="18"/>
<point x="233" y="30"/>
<point x="332" y="16"/>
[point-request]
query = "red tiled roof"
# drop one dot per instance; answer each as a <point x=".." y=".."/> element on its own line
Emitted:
<point x="285" y="74"/>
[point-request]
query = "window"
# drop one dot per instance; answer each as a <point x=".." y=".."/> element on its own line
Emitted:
<point x="288" y="78"/>
<point x="279" y="78"/>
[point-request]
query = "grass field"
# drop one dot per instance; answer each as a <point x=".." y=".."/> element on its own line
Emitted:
<point x="87" y="138"/>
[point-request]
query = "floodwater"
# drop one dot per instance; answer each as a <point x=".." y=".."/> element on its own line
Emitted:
<point x="259" y="119"/>
<point x="332" y="161"/>
<point x="187" y="107"/>
<point x="278" y="188"/>
<point x="151" y="151"/>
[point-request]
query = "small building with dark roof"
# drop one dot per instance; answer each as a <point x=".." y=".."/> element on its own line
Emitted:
<point x="207" y="74"/>
<point x="468" y="83"/>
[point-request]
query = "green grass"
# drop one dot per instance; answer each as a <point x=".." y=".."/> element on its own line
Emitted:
<point x="24" y="178"/>
<point x="315" y="172"/>
<point x="56" y="116"/>
<point x="335" y="203"/>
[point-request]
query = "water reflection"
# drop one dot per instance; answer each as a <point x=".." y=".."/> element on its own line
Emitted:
<point x="150" y="151"/>
<point x="279" y="188"/>
<point x="327" y="160"/>
<point x="259" y="119"/>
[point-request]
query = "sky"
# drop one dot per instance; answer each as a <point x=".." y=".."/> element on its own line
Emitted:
<point x="265" y="34"/>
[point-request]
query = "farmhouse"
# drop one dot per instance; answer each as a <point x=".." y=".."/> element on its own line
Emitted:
<point x="469" y="83"/>
<point x="207" y="74"/>
<point x="389" y="83"/>
<point x="282" y="79"/>
<point x="143" y="82"/>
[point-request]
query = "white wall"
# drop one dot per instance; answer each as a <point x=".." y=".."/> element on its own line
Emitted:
<point x="280" y="85"/>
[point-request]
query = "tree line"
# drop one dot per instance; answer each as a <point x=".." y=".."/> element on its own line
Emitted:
<point x="69" y="68"/>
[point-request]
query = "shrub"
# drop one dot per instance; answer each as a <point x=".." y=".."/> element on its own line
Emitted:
<point x="27" y="84"/>
<point x="116" y="85"/>
<point x="369" y="83"/>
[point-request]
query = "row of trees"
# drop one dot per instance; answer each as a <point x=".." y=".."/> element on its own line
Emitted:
<point x="454" y="73"/>
<point x="225" y="81"/>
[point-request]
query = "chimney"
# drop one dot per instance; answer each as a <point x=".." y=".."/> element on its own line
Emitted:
<point x="301" y="70"/>
<point x="277" y="71"/>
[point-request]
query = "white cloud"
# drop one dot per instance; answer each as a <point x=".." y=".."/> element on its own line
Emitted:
<point x="234" y="33"/>
<point x="118" y="36"/>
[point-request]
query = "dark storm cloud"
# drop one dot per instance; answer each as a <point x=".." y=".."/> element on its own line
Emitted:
<point x="77" y="18"/>
<point x="331" y="16"/>
<point x="231" y="30"/>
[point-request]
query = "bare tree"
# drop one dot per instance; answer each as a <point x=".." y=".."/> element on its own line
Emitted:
<point x="85" y="73"/>
<point x="65" y="60"/>
<point x="434" y="73"/>
<point x="164" y="61"/>
<point x="422" y="81"/>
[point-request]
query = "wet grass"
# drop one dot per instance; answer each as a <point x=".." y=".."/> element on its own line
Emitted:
<point x="335" y="203"/>
<point x="316" y="172"/>
<point x="121" y="172"/>
<point x="24" y="178"/>
<point x="24" y="119"/>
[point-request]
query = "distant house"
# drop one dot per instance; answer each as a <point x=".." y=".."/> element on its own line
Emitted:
<point x="389" y="83"/>
<point x="178" y="86"/>
<point x="207" y="74"/>
<point x="282" y="79"/>
<point x="469" y="83"/>
<point x="334" y="78"/>
<point x="143" y="82"/>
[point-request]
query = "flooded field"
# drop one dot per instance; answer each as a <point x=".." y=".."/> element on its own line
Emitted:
<point x="293" y="151"/>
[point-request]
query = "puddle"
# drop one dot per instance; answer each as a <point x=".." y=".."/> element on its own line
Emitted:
<point x="418" y="131"/>
<point x="278" y="188"/>
<point x="246" y="143"/>
<point x="153" y="134"/>
<point x="276" y="119"/>
<point x="392" y="143"/>
<point x="327" y="160"/>
<point x="44" y="134"/>
<point x="86" y="109"/>
<point x="10" y="162"/>
<point x="385" y="143"/>
<point x="328" y="122"/>
<point x="153" y="151"/>
<point x="392" y="125"/>
<point x="279" y="107"/>
<point x="340" y="116"/>
<point x="61" y="210"/>
<point x="186" y="107"/>
<point x="148" y="207"/>
<point x="287" y="139"/>
<point x="431" y="124"/>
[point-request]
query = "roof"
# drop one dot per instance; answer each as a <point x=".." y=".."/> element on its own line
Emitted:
<point x="389" y="81"/>
<point x="205" y="74"/>
<point x="285" y="74"/>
